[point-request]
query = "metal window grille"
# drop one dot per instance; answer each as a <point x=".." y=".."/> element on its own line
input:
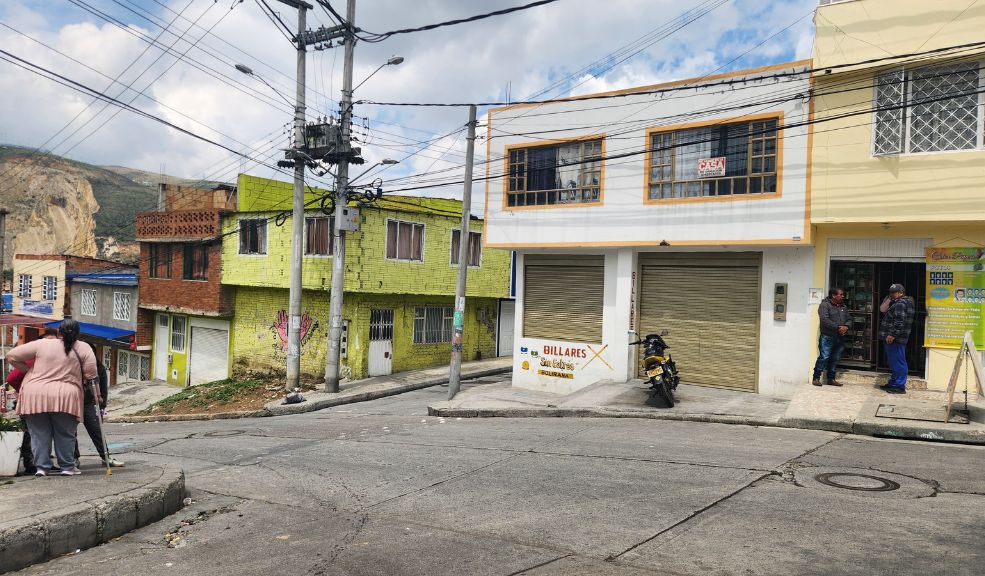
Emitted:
<point x="947" y="117"/>
<point x="132" y="366"/>
<point x="108" y="358"/>
<point x="889" y="127"/>
<point x="121" y="306"/>
<point x="88" y="298"/>
<point x="178" y="333"/>
<point x="24" y="285"/>
<point x="433" y="324"/>
<point x="381" y="325"/>
<point x="49" y="288"/>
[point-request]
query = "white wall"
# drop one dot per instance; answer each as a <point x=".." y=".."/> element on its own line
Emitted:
<point x="786" y="351"/>
<point x="623" y="218"/>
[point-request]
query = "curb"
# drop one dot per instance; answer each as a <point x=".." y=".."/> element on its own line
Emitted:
<point x="46" y="536"/>
<point x="309" y="406"/>
<point x="898" y="431"/>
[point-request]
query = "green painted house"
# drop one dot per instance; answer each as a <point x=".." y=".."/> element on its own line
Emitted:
<point x="399" y="288"/>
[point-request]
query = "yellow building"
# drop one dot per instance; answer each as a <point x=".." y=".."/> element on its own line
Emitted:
<point x="898" y="164"/>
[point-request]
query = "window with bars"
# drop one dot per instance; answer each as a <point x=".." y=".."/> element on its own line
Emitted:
<point x="88" y="302"/>
<point x="475" y="247"/>
<point x="108" y="358"/>
<point x="927" y="109"/>
<point x="178" y="333"/>
<point x="433" y="324"/>
<point x="747" y="149"/>
<point x="569" y="173"/>
<point x="318" y="236"/>
<point x="24" y="285"/>
<point x="404" y="241"/>
<point x="132" y="366"/>
<point x="253" y="236"/>
<point x="195" y="262"/>
<point x="121" y="306"/>
<point x="381" y="324"/>
<point x="160" y="261"/>
<point x="49" y="287"/>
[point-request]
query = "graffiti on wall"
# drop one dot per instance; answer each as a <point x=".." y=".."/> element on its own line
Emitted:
<point x="308" y="328"/>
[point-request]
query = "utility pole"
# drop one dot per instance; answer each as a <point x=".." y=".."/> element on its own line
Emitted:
<point x="3" y="251"/>
<point x="341" y="201"/>
<point x="454" y="378"/>
<point x="297" y="214"/>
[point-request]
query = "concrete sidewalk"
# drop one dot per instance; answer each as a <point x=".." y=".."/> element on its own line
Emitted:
<point x="350" y="392"/>
<point x="43" y="518"/>
<point x="851" y="408"/>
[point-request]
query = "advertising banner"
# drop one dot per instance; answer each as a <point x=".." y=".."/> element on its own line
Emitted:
<point x="711" y="167"/>
<point x="955" y="296"/>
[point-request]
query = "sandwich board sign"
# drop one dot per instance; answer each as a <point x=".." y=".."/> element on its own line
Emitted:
<point x="966" y="352"/>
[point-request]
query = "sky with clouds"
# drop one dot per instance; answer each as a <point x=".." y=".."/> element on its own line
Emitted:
<point x="573" y="46"/>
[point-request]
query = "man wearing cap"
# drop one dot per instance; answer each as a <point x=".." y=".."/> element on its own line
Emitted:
<point x="894" y="331"/>
<point x="833" y="315"/>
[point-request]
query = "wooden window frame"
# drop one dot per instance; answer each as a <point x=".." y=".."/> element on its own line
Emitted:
<point x="161" y="256"/>
<point x="515" y="180"/>
<point x="243" y="227"/>
<point x="195" y="262"/>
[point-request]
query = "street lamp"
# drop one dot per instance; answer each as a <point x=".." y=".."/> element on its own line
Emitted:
<point x="393" y="61"/>
<point x="249" y="72"/>
<point x="385" y="162"/>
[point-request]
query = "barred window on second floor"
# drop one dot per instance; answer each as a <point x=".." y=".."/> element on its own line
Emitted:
<point x="569" y="173"/>
<point x="927" y="109"/>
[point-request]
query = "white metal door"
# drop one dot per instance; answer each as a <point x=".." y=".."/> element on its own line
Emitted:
<point x="507" y="310"/>
<point x="209" y="355"/>
<point x="161" y="339"/>
<point x="381" y="342"/>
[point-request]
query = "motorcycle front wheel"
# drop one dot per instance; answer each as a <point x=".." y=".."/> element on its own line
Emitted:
<point x="663" y="390"/>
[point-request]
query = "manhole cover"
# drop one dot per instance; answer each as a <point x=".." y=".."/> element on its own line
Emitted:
<point x="860" y="482"/>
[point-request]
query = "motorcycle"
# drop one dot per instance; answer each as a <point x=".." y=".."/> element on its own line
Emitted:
<point x="659" y="367"/>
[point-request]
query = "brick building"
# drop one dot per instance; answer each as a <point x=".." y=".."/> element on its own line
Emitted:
<point x="185" y="311"/>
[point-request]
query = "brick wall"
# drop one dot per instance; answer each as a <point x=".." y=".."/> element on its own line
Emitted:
<point x="206" y="297"/>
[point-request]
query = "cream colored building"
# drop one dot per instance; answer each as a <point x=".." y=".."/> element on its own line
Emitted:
<point x="898" y="157"/>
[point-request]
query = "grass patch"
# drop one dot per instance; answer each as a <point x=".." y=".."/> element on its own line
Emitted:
<point x="203" y="397"/>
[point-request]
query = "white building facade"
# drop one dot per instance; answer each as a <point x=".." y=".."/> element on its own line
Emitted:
<point x="680" y="207"/>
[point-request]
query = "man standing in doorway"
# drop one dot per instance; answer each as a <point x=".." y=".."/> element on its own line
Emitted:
<point x="834" y="325"/>
<point x="894" y="331"/>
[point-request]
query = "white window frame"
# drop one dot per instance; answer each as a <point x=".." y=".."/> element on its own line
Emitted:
<point x="908" y="100"/>
<point x="108" y="359"/>
<point x="129" y="362"/>
<point x="117" y="297"/>
<point x="49" y="288"/>
<point x="447" y="324"/>
<point x="25" y="285"/>
<point x="84" y="294"/>
<point x="453" y="257"/>
<point x="331" y="237"/>
<point x="387" y="240"/>
<point x="183" y="332"/>
<point x="239" y="237"/>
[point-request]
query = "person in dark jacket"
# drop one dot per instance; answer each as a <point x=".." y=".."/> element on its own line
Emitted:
<point x="90" y="418"/>
<point x="834" y="325"/>
<point x="894" y="331"/>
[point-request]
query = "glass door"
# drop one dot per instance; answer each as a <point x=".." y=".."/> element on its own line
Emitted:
<point x="858" y="281"/>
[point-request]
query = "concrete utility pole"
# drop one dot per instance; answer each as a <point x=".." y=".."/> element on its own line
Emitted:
<point x="3" y="251"/>
<point x="455" y="375"/>
<point x="297" y="214"/>
<point x="341" y="201"/>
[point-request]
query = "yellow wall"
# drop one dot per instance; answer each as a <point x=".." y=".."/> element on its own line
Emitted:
<point x="940" y="360"/>
<point x="860" y="30"/>
<point x="39" y="269"/>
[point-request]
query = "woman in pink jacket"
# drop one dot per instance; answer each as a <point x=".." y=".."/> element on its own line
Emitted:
<point x="51" y="397"/>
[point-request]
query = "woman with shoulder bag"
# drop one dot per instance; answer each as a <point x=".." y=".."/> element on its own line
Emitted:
<point x="51" y="396"/>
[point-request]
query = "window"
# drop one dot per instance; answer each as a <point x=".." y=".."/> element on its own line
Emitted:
<point x="178" y="333"/>
<point x="49" y="288"/>
<point x="253" y="236"/>
<point x="24" y="285"/>
<point x="928" y="109"/>
<point x="318" y="236"/>
<point x="121" y="306"/>
<point x="88" y="300"/>
<point x="568" y="173"/>
<point x="433" y="324"/>
<point x="160" y="260"/>
<point x="475" y="247"/>
<point x="742" y="160"/>
<point x="131" y="366"/>
<point x="404" y="241"/>
<point x="108" y="358"/>
<point x="195" y="262"/>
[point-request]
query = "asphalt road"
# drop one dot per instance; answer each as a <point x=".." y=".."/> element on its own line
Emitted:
<point x="381" y="488"/>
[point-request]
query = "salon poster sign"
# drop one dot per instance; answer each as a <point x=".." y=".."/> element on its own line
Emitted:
<point x="955" y="296"/>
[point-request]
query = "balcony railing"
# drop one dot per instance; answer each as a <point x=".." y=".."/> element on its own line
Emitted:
<point x="179" y="225"/>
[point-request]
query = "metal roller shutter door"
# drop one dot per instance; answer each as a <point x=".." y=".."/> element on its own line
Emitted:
<point x="209" y="355"/>
<point x="564" y="302"/>
<point x="712" y="313"/>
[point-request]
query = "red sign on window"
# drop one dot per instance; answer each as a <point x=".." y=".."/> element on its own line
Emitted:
<point x="711" y="167"/>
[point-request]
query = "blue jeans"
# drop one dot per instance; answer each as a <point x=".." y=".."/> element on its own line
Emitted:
<point x="896" y="355"/>
<point x="829" y="350"/>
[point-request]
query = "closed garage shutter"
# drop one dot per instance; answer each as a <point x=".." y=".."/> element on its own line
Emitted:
<point x="711" y="308"/>
<point x="562" y="300"/>
<point x="209" y="355"/>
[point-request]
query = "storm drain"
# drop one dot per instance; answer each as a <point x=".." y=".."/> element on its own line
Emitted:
<point x="859" y="482"/>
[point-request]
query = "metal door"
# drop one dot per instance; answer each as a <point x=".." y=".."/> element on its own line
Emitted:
<point x="161" y="338"/>
<point x="507" y="311"/>
<point x="381" y="342"/>
<point x="209" y="355"/>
